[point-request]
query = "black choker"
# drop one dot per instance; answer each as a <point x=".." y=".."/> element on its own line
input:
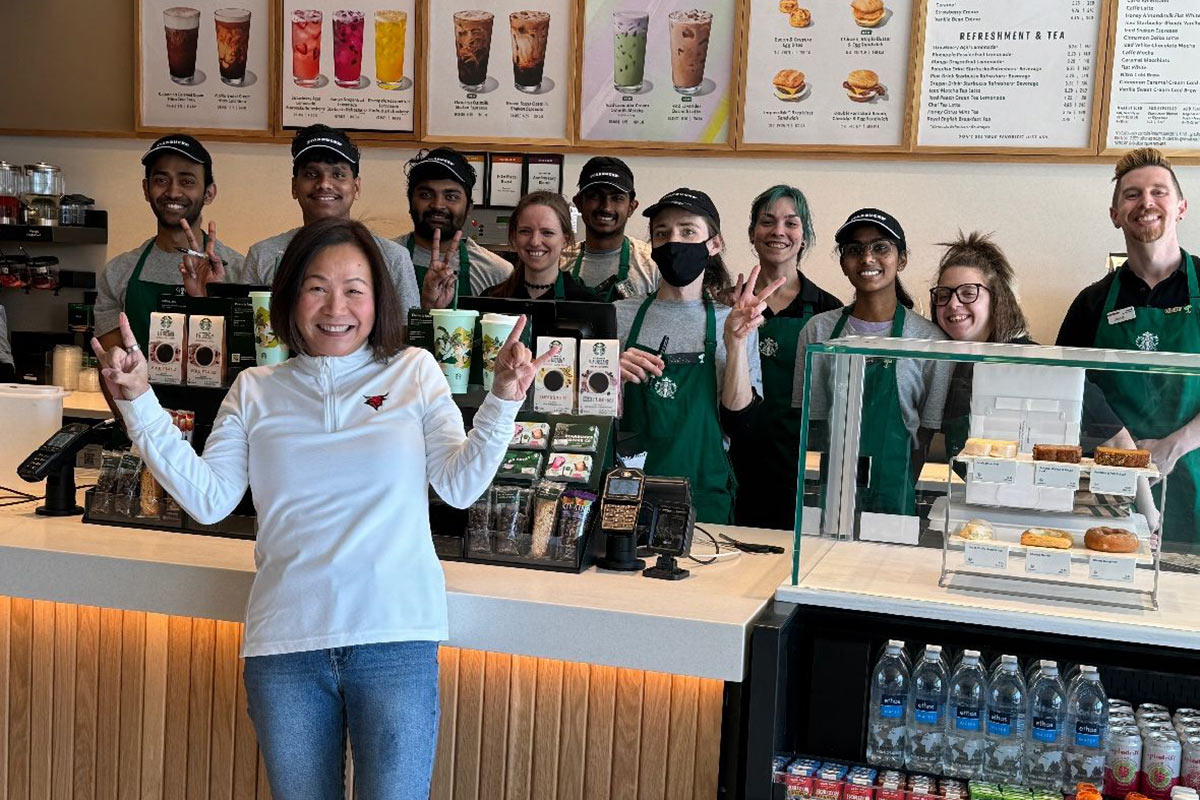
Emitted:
<point x="539" y="286"/>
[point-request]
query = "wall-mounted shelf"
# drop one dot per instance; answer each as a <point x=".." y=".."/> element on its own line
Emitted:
<point x="95" y="232"/>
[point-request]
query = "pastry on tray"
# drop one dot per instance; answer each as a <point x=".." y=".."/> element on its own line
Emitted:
<point x="1110" y="540"/>
<point x="995" y="448"/>
<point x="1062" y="453"/>
<point x="1120" y="457"/>
<point x="1047" y="537"/>
<point x="977" y="530"/>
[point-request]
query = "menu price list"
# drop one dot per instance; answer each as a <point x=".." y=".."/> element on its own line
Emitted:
<point x="1017" y="74"/>
<point x="1155" y="97"/>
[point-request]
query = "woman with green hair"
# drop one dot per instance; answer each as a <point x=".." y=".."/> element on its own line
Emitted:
<point x="765" y="461"/>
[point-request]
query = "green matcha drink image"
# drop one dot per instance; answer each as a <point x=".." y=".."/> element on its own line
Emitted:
<point x="629" y="49"/>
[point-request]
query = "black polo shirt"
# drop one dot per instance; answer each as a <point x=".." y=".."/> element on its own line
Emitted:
<point x="811" y="294"/>
<point x="1083" y="318"/>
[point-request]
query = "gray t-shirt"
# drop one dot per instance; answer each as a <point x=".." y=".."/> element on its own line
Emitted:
<point x="6" y="356"/>
<point x="263" y="258"/>
<point x="922" y="383"/>
<point x="487" y="268"/>
<point x="161" y="267"/>
<point x="599" y="265"/>
<point x="683" y="321"/>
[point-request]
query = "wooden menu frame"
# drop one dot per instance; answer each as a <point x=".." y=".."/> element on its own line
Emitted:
<point x="1097" y="110"/>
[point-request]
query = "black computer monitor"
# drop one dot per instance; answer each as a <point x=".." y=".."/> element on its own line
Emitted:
<point x="235" y="289"/>
<point x="578" y="319"/>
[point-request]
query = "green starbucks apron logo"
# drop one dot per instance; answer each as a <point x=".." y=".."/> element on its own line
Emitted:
<point x="665" y="388"/>
<point x="768" y="347"/>
<point x="1147" y="341"/>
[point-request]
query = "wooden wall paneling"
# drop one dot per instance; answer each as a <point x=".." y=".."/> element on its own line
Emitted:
<point x="494" y="747"/>
<point x="5" y="605"/>
<point x="572" y="743"/>
<point x="224" y="710"/>
<point x="681" y="752"/>
<point x="154" y="705"/>
<point x="41" y="701"/>
<point x="522" y="706"/>
<point x="708" y="738"/>
<point x="62" y="756"/>
<point x="200" y="697"/>
<point x="442" y="787"/>
<point x="108" y="697"/>
<point x="87" y="675"/>
<point x="20" y="654"/>
<point x="468" y="724"/>
<point x="133" y="688"/>
<point x="245" y="744"/>
<point x="656" y="724"/>
<point x="179" y="678"/>
<point x="547" y="725"/>
<point x="601" y="714"/>
<point x="627" y="734"/>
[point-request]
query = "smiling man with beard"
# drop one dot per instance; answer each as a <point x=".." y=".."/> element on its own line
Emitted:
<point x="325" y="184"/>
<point x="178" y="185"/>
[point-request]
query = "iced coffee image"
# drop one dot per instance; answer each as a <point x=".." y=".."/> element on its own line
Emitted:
<point x="629" y="49"/>
<point x="233" y="43"/>
<point x="182" y="26"/>
<point x="472" y="45"/>
<point x="689" y="33"/>
<point x="530" y="30"/>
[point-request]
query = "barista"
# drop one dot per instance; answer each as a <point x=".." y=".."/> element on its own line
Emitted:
<point x="325" y="184"/>
<point x="178" y="185"/>
<point x="8" y="372"/>
<point x="615" y="264"/>
<point x="1152" y="303"/>
<point x="440" y="183"/>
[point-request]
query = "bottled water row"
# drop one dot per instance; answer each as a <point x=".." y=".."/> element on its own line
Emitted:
<point x="987" y="721"/>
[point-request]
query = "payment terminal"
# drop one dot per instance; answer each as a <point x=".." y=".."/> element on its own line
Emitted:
<point x="620" y="505"/>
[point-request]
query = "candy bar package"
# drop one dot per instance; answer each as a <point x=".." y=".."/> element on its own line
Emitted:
<point x="545" y="513"/>
<point x="520" y="465"/>
<point x="574" y="510"/>
<point x="573" y="467"/>
<point x="576" y="437"/>
<point x="530" y="435"/>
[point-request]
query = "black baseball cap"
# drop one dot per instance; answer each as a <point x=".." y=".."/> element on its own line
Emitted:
<point x="323" y="137"/>
<point x="608" y="171"/>
<point x="441" y="163"/>
<point x="693" y="200"/>
<point x="871" y="216"/>
<point x="179" y="144"/>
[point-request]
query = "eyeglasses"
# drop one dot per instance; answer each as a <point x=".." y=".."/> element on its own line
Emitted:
<point x="967" y="293"/>
<point x="880" y="248"/>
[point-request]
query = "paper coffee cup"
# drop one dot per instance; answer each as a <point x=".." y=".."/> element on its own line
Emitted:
<point x="496" y="328"/>
<point x="267" y="347"/>
<point x="453" y="330"/>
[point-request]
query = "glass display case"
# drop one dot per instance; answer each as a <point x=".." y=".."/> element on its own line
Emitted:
<point x="1035" y="471"/>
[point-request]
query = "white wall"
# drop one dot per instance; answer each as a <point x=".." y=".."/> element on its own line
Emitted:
<point x="1051" y="219"/>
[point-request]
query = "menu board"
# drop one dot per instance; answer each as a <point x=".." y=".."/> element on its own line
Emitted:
<point x="659" y="71"/>
<point x="1017" y="74"/>
<point x="205" y="66"/>
<point x="351" y="67"/>
<point x="1154" y="95"/>
<point x="827" y="73"/>
<point x="499" y="69"/>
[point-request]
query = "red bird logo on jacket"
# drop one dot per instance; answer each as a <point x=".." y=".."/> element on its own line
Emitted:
<point x="375" y="401"/>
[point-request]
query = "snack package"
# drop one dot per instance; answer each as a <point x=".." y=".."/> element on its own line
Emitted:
<point x="575" y="509"/>
<point x="479" y="536"/>
<point x="576" y="437"/>
<point x="127" y="484"/>
<point x="520" y="465"/>
<point x="530" y="435"/>
<point x="575" y="467"/>
<point x="150" y="495"/>
<point x="510" y="517"/>
<point x="106" y="482"/>
<point x="545" y="513"/>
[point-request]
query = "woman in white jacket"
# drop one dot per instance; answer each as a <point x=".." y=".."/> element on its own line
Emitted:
<point x="339" y="445"/>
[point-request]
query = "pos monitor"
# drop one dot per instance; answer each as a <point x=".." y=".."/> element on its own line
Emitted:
<point x="577" y="319"/>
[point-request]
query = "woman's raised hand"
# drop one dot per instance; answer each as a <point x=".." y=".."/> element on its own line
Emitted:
<point x="516" y="366"/>
<point x="124" y="368"/>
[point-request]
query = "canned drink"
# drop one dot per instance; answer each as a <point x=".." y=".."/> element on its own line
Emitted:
<point x="1158" y="725"/>
<point x="1187" y="712"/>
<point x="1146" y="708"/>
<point x="1189" y="767"/>
<point x="1153" y="716"/>
<point x="1117" y="701"/>
<point x="1188" y="731"/>
<point x="1162" y="757"/>
<point x="1124" y="761"/>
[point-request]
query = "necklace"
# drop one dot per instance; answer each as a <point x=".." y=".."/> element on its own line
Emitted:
<point x="539" y="286"/>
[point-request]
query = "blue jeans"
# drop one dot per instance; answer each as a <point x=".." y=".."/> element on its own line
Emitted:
<point x="384" y="695"/>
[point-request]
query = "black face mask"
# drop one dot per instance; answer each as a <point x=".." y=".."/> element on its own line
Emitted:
<point x="680" y="263"/>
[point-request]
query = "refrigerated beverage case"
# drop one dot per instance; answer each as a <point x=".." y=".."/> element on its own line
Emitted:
<point x="887" y="724"/>
<point x="629" y="49"/>
<point x="1087" y="730"/>
<point x="233" y="43"/>
<point x="1123" y="764"/>
<point x="689" y="33"/>
<point x="963" y="750"/>
<point x="1045" y="743"/>
<point x="182" y="25"/>
<point x="1004" y="744"/>
<point x="347" y="48"/>
<point x="926" y="707"/>
<point x="530" y="32"/>
<point x="472" y="46"/>
<point x="391" y="27"/>
<point x="1162" y="758"/>
<point x="306" y="47"/>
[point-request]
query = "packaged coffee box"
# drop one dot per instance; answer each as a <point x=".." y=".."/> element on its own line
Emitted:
<point x="554" y="388"/>
<point x="206" y="350"/>
<point x="599" y="376"/>
<point x="168" y="343"/>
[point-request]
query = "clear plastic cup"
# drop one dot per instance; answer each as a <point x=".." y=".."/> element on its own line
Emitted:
<point x="453" y="330"/>
<point x="496" y="328"/>
<point x="267" y="347"/>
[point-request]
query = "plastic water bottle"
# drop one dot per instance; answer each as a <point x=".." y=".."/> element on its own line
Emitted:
<point x="1004" y="761"/>
<point x="962" y="755"/>
<point x="1045" y="740"/>
<point x="926" y="709"/>
<point x="1087" y="730"/>
<point x="889" y="707"/>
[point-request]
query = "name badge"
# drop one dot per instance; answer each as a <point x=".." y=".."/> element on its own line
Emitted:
<point x="1119" y="315"/>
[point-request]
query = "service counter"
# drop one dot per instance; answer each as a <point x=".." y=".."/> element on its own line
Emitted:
<point x="119" y="649"/>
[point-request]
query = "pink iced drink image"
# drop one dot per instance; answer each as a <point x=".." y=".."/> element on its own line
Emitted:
<point x="347" y="47"/>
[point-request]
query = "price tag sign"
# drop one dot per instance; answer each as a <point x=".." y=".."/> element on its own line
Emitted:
<point x="1114" y="480"/>
<point x="986" y="556"/>
<point x="994" y="470"/>
<point x="1112" y="568"/>
<point x="1056" y="476"/>
<point x="1056" y="563"/>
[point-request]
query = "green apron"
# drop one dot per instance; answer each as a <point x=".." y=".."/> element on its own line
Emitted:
<point x="678" y="421"/>
<point x="622" y="272"/>
<point x="882" y="434"/>
<point x="1155" y="406"/>
<point x="464" y="266"/>
<point x="141" y="298"/>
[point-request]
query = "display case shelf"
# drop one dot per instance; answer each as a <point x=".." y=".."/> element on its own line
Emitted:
<point x="59" y="234"/>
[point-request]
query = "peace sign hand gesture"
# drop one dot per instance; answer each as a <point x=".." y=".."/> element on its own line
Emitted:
<point x="748" y="307"/>
<point x="196" y="272"/>
<point x="124" y="368"/>
<point x="516" y="366"/>
<point x="441" y="281"/>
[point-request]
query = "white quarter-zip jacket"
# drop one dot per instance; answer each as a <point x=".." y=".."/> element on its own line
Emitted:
<point x="339" y="452"/>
